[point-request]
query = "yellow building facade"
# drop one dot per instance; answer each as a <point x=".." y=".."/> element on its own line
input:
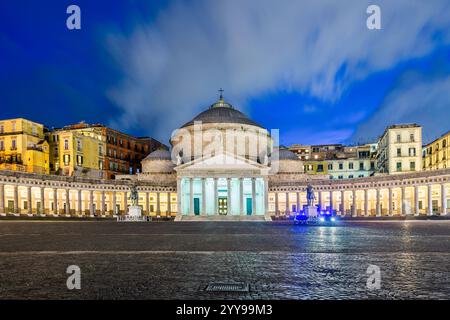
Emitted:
<point x="436" y="154"/>
<point x="77" y="153"/>
<point x="316" y="167"/>
<point x="23" y="146"/>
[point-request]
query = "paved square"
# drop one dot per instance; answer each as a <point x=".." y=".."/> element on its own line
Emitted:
<point x="178" y="260"/>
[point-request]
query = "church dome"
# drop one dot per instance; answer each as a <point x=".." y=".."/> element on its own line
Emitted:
<point x="159" y="161"/>
<point x="222" y="112"/>
<point x="160" y="154"/>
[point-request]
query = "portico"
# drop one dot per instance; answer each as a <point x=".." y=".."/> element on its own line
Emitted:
<point x="222" y="185"/>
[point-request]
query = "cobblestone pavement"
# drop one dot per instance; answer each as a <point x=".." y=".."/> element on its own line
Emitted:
<point x="177" y="260"/>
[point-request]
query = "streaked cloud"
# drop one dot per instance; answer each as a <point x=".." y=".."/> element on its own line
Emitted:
<point x="417" y="98"/>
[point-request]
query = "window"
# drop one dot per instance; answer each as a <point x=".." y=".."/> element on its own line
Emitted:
<point x="361" y="166"/>
<point x="412" y="152"/>
<point x="399" y="166"/>
<point x="350" y="165"/>
<point x="399" y="138"/>
<point x="66" y="159"/>
<point x="13" y="127"/>
<point x="444" y="143"/>
<point x="66" y="144"/>
<point x="100" y="150"/>
<point x="341" y="166"/>
<point x="412" y="166"/>
<point x="79" y="160"/>
<point x="340" y="177"/>
<point x="411" y="137"/>
<point x="78" y="145"/>
<point x="2" y="145"/>
<point x="372" y="165"/>
<point x="100" y="165"/>
<point x="350" y="176"/>
<point x="13" y="144"/>
<point x="363" y="154"/>
<point x="2" y="128"/>
<point x="330" y="166"/>
<point x="399" y="152"/>
<point x="320" y="168"/>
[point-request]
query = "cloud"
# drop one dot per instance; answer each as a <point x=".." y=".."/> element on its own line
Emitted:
<point x="173" y="65"/>
<point x="417" y="99"/>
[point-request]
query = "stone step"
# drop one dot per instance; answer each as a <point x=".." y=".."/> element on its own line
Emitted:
<point x="230" y="218"/>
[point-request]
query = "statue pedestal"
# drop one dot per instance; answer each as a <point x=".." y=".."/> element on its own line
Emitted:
<point x="134" y="211"/>
<point x="311" y="211"/>
<point x="134" y="214"/>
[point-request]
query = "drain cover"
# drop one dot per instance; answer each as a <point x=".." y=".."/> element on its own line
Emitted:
<point x="228" y="287"/>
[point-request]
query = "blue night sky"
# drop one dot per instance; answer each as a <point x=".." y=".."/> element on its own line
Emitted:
<point x="309" y="68"/>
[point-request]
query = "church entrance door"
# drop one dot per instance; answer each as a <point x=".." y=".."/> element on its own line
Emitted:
<point x="249" y="206"/>
<point x="196" y="206"/>
<point x="223" y="205"/>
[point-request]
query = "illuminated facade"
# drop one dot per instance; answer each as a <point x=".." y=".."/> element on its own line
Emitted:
<point x="220" y="167"/>
<point x="436" y="155"/>
<point x="23" y="146"/>
<point x="337" y="161"/>
<point x="95" y="150"/>
<point x="400" y="149"/>
<point x="360" y="164"/>
<point x="77" y="153"/>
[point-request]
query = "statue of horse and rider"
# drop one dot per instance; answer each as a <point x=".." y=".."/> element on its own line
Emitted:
<point x="134" y="197"/>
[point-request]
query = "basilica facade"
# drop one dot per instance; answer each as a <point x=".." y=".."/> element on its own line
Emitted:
<point x="223" y="166"/>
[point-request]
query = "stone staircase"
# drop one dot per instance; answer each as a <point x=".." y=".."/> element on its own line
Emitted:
<point x="224" y="218"/>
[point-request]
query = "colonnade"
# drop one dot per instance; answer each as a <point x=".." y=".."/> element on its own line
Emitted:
<point x="428" y="199"/>
<point x="45" y="200"/>
<point x="242" y="204"/>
